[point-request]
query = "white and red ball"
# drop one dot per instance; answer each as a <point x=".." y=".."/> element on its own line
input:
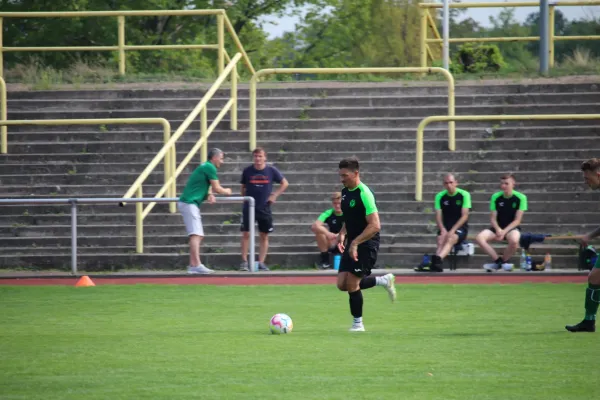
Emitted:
<point x="280" y="323"/>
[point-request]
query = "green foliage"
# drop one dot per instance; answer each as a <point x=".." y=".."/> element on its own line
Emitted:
<point x="473" y="58"/>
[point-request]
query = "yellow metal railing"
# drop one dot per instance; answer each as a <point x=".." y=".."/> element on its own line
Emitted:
<point x="426" y="16"/>
<point x="222" y="24"/>
<point x="3" y="117"/>
<point x="444" y="118"/>
<point x="400" y="70"/>
<point x="201" y="109"/>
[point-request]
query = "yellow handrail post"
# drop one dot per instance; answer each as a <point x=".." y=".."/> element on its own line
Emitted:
<point x="220" y="43"/>
<point x="3" y="133"/>
<point x="451" y="111"/>
<point x="173" y="206"/>
<point x="168" y="172"/>
<point x="551" y="12"/>
<point x="444" y="118"/>
<point x="203" y="129"/>
<point x="233" y="119"/>
<point x="1" y="48"/>
<point x="252" y="140"/>
<point x="238" y="44"/>
<point x="139" y="223"/>
<point x="423" y="38"/>
<point x="121" y="23"/>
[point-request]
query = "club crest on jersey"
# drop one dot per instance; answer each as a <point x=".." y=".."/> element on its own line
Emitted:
<point x="352" y="203"/>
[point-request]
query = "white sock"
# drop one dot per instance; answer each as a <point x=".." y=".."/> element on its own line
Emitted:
<point x="358" y="320"/>
<point x="380" y="281"/>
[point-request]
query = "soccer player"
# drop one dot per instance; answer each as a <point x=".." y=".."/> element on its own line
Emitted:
<point x="591" y="175"/>
<point x="358" y="241"/>
<point x="198" y="188"/>
<point x="326" y="229"/>
<point x="451" y="214"/>
<point x="257" y="182"/>
<point x="507" y="208"/>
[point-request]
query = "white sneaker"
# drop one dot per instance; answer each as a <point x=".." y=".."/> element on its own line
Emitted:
<point x="507" y="267"/>
<point x="357" y="327"/>
<point x="491" y="267"/>
<point x="390" y="286"/>
<point x="199" y="270"/>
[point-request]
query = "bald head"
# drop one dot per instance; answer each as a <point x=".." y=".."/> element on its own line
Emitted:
<point x="450" y="183"/>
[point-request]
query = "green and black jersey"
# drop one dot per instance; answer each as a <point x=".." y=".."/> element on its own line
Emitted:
<point x="356" y="205"/>
<point x="507" y="207"/>
<point x="452" y="205"/>
<point x="333" y="220"/>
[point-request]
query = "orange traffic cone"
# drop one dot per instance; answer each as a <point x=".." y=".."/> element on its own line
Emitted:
<point x="84" y="281"/>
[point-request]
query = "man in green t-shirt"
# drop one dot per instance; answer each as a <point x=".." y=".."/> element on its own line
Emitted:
<point x="199" y="187"/>
<point x="507" y="208"/>
<point x="591" y="175"/>
<point x="326" y="229"/>
<point x="451" y="214"/>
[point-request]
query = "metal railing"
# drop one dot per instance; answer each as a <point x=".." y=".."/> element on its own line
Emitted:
<point x="223" y="23"/>
<point x="169" y="187"/>
<point x="169" y="163"/>
<point x="399" y="70"/>
<point x="426" y="19"/>
<point x="3" y="117"/>
<point x="443" y="118"/>
<point x="75" y="201"/>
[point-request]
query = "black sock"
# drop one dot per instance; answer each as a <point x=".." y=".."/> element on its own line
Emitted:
<point x="436" y="260"/>
<point x="368" y="282"/>
<point x="356" y="303"/>
<point x="499" y="260"/>
<point x="324" y="257"/>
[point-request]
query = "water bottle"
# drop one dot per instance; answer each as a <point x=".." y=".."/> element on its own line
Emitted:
<point x="523" y="260"/>
<point x="426" y="260"/>
<point x="336" y="261"/>
<point x="528" y="262"/>
<point x="548" y="262"/>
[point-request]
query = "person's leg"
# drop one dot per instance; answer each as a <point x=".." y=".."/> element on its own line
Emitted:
<point x="451" y="240"/>
<point x="193" y="225"/>
<point x="592" y="300"/>
<point x="482" y="240"/>
<point x="265" y="226"/>
<point x="323" y="243"/>
<point x="512" y="238"/>
<point x="441" y="240"/>
<point x="264" y="247"/>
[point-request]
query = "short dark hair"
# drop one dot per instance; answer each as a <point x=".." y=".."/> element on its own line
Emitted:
<point x="350" y="163"/>
<point x="593" y="164"/>
<point x="259" y="150"/>
<point x="509" y="175"/>
<point x="214" y="153"/>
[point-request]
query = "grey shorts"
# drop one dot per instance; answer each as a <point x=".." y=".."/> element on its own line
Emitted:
<point x="191" y="218"/>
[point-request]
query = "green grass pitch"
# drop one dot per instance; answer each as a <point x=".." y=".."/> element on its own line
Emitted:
<point x="212" y="342"/>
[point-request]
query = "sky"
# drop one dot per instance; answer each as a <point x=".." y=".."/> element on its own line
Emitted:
<point x="481" y="15"/>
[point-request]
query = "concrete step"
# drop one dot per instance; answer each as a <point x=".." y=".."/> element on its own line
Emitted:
<point x="308" y="156"/>
<point x="155" y="135"/>
<point x="142" y="103"/>
<point x="295" y="177"/>
<point x="318" y="113"/>
<point x="325" y="146"/>
<point x="304" y="238"/>
<point x="313" y="89"/>
<point x="288" y="214"/>
<point x="389" y="166"/>
<point x="104" y="261"/>
<point x="288" y="228"/>
<point x="49" y="189"/>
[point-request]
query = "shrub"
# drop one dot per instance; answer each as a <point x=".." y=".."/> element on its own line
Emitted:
<point x="477" y="58"/>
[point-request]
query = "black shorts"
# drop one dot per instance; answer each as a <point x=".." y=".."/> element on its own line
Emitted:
<point x="518" y="228"/>
<point x="262" y="217"/>
<point x="462" y="235"/>
<point x="367" y="256"/>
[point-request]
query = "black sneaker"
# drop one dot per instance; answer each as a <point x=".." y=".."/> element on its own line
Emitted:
<point x="322" y="265"/>
<point x="583" y="326"/>
<point x="436" y="264"/>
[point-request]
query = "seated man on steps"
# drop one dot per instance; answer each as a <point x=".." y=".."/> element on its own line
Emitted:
<point x="451" y="214"/>
<point x="507" y="208"/>
<point x="326" y="229"/>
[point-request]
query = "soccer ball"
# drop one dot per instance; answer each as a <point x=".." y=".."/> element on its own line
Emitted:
<point x="280" y="323"/>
